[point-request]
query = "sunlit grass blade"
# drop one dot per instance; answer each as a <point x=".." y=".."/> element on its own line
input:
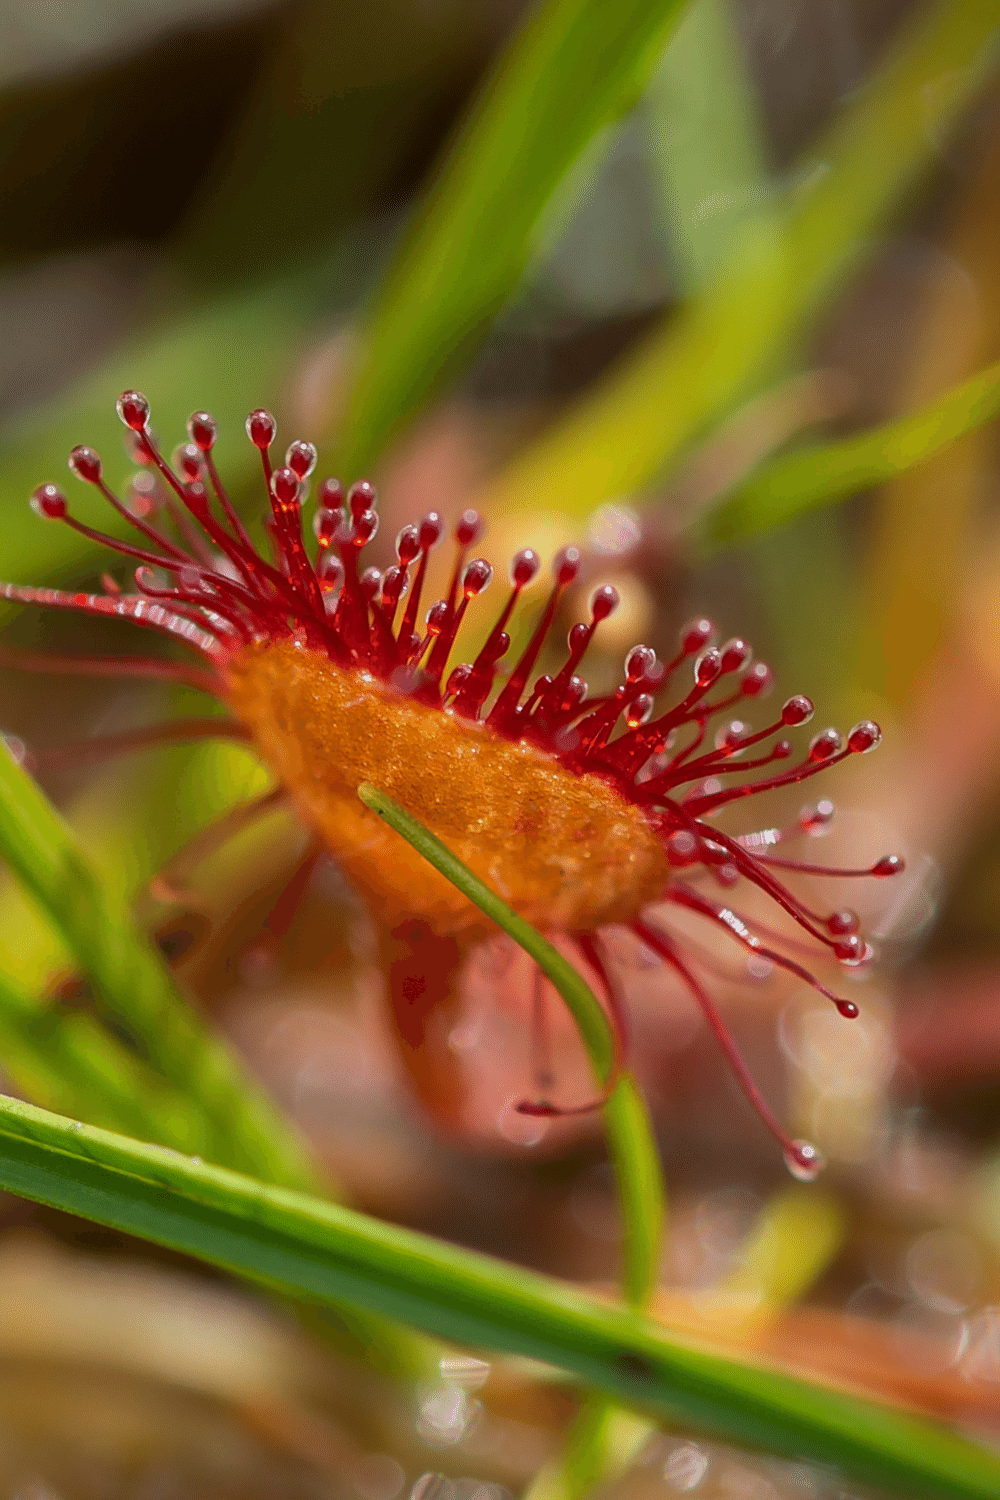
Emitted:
<point x="631" y="1143"/>
<point x="575" y="66"/>
<point x="131" y="983"/>
<point x="326" y="1254"/>
<point x="732" y="339"/>
<point x="824" y="472"/>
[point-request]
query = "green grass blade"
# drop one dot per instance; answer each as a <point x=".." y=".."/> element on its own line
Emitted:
<point x="326" y="1254"/>
<point x="630" y="1133"/>
<point x="632" y="1147"/>
<point x="628" y="1127"/>
<point x="579" y="999"/>
<point x="822" y="473"/>
<point x="732" y="339"/>
<point x="575" y="66"/>
<point x="129" y="980"/>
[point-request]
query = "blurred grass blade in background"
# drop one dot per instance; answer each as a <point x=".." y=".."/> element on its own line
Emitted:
<point x="325" y="1254"/>
<point x="66" y="1061"/>
<point x="214" y="1107"/>
<point x="228" y="356"/>
<point x="131" y="983"/>
<point x="709" y="161"/>
<point x="820" y="473"/>
<point x="575" y="66"/>
<point x="733" y="338"/>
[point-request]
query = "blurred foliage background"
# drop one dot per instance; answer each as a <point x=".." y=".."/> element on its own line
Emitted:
<point x="706" y="287"/>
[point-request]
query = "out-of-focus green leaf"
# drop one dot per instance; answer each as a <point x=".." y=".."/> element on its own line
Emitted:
<point x="823" y="472"/>
<point x="795" y="1239"/>
<point x="575" y="65"/>
<point x="327" y="1255"/>
<point x="128" y="823"/>
<point x="352" y="98"/>
<point x="228" y="356"/>
<point x="203" y="1099"/>
<point x="736" y="334"/>
<point x="65" y="1060"/>
<point x="702" y="120"/>
<point x="131" y="983"/>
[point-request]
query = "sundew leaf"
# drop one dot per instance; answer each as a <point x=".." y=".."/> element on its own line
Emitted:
<point x="733" y="338"/>
<point x="575" y="66"/>
<point x="823" y="472"/>
<point x="326" y="1255"/>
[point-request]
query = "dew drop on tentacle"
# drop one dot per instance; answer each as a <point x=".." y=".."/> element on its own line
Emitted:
<point x="708" y="667"/>
<point x="331" y="495"/>
<point x="524" y="567"/>
<point x="696" y="635"/>
<point x="301" y="457"/>
<point x="639" y="663"/>
<point x="285" y="486"/>
<point x="758" y="681"/>
<point x="203" y="430"/>
<point x="639" y="711"/>
<point x="734" y="656"/>
<point x="370" y="583"/>
<point x="864" y="737"/>
<point x="261" y="429"/>
<point x="814" y="818"/>
<point x="840" y="923"/>
<point x="49" y="502"/>
<point x="325" y="523"/>
<point x="728" y="736"/>
<point x="804" y="1161"/>
<point x="603" y="602"/>
<point x="85" y="464"/>
<point x="330" y="571"/>
<point x="133" y="408"/>
<point x="797" y="710"/>
<point x="825" y="745"/>
<point x="361" y="497"/>
<point x="187" y="460"/>
<point x="407" y="545"/>
<point x="468" y="528"/>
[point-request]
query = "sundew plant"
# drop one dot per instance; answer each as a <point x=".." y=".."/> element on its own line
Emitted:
<point x="450" y="928"/>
